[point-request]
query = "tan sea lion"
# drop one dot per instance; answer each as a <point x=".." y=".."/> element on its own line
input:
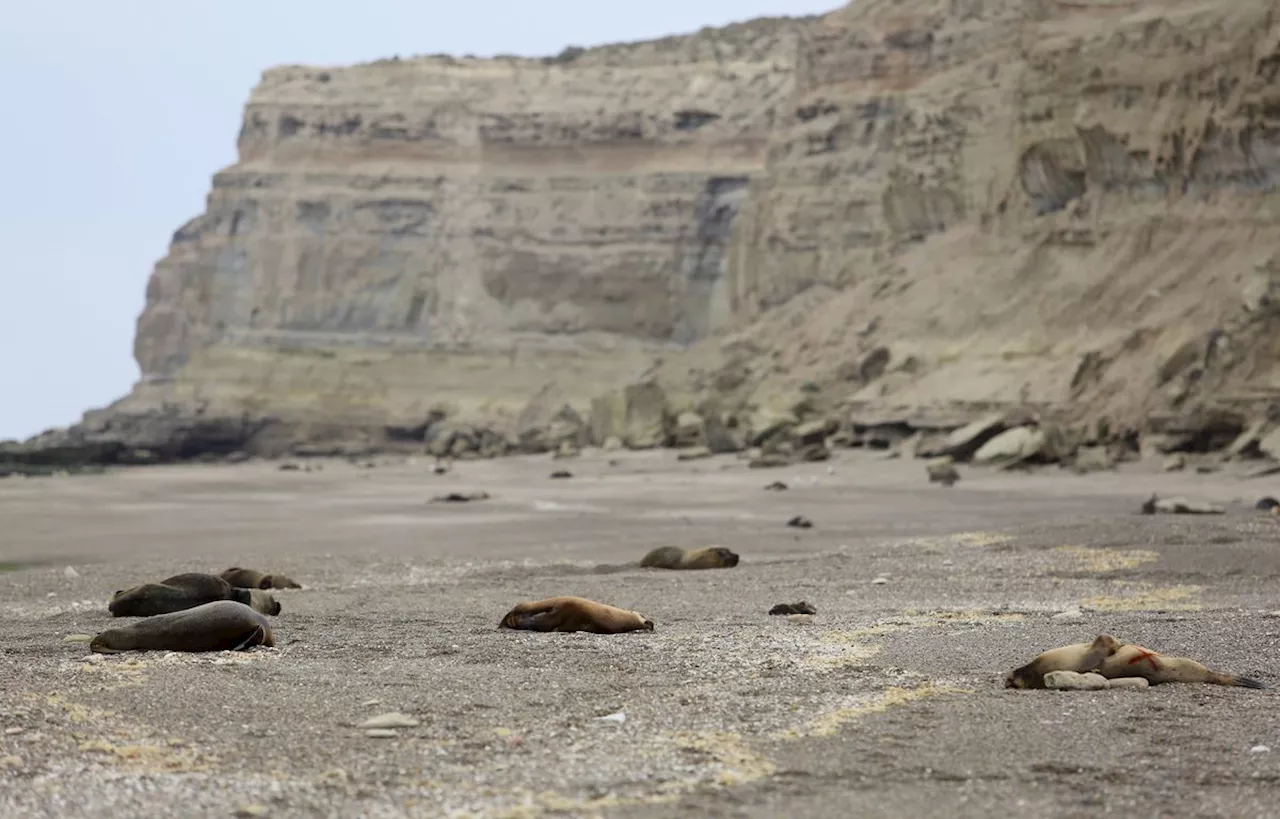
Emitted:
<point x="574" y="614"/>
<point x="1080" y="657"/>
<point x="254" y="579"/>
<point x="1135" y="661"/>
<point x="221" y="626"/>
<point x="673" y="557"/>
<point x="185" y="591"/>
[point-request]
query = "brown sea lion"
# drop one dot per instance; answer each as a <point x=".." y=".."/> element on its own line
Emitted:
<point x="1135" y="661"/>
<point x="673" y="557"/>
<point x="574" y="614"/>
<point x="254" y="579"/>
<point x="221" y="626"/>
<point x="185" y="591"/>
<point x="793" y="608"/>
<point x="1079" y="657"/>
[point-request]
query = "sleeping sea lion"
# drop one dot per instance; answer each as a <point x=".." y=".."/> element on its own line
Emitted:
<point x="673" y="557"/>
<point x="254" y="579"/>
<point x="185" y="591"/>
<point x="1135" y="661"/>
<point x="574" y="614"/>
<point x="221" y="626"/>
<point x="1079" y="657"/>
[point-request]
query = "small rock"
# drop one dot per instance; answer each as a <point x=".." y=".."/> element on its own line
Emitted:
<point x="562" y="473"/>
<point x="1072" y="681"/>
<point x="78" y="638"/>
<point x="1068" y="616"/>
<point x="800" y="619"/>
<point x="370" y="703"/>
<point x="800" y="522"/>
<point x="1257" y="749"/>
<point x="1137" y="683"/>
<point x="1174" y="463"/>
<point x="94" y="658"/>
<point x="879" y="581"/>
<point x="251" y="810"/>
<point x="70" y="573"/>
<point x="11" y="762"/>
<point x="618" y="717"/>
<point x="777" y="486"/>
<point x="381" y="733"/>
<point x="943" y="472"/>
<point x="17" y="729"/>
<point x="696" y="453"/>
<point x="51" y="594"/>
<point x="290" y="467"/>
<point x="392" y="719"/>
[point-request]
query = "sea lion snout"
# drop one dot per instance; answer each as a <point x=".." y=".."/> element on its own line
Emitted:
<point x="648" y="624"/>
<point x="729" y="556"/>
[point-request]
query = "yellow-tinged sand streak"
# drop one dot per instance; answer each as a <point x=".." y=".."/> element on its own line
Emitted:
<point x="827" y="724"/>
<point x="1089" y="559"/>
<point x="1145" y="597"/>
<point x="124" y="745"/>
<point x="972" y="539"/>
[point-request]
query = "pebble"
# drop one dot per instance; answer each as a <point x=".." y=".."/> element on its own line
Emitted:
<point x="879" y="581"/>
<point x="392" y="719"/>
<point x="1068" y="616"/>
<point x="94" y="658"/>
<point x="251" y="810"/>
<point x="11" y="762"/>
<point x="618" y="717"/>
<point x="369" y="703"/>
<point x="13" y="731"/>
<point x="381" y="733"/>
<point x="78" y="638"/>
<point x="1260" y="749"/>
<point x="70" y="573"/>
<point x="800" y="619"/>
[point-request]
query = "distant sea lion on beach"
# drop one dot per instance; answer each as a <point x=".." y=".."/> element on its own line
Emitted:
<point x="574" y="614"/>
<point x="185" y="591"/>
<point x="1116" y="660"/>
<point x="674" y="557"/>
<point x="793" y="608"/>
<point x="254" y="579"/>
<point x="221" y="626"/>
<point x="1267" y="504"/>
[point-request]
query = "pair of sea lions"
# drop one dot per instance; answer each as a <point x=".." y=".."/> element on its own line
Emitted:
<point x="1114" y="659"/>
<point x="580" y="614"/>
<point x="185" y="591"/>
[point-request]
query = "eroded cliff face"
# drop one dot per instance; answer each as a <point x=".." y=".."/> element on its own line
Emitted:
<point x="1064" y="203"/>
<point x="411" y="232"/>
<point x="905" y="203"/>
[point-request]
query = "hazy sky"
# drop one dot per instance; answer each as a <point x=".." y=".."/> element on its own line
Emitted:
<point x="117" y="114"/>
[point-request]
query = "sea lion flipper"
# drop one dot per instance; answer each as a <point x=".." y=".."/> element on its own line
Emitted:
<point x="1102" y="647"/>
<point x="257" y="637"/>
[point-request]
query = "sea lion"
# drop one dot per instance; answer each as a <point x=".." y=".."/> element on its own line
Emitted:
<point x="254" y="579"/>
<point x="673" y="557"/>
<point x="1179" y="506"/>
<point x="224" y="625"/>
<point x="800" y="522"/>
<point x="574" y="614"/>
<point x="185" y="591"/>
<point x="1079" y="657"/>
<point x="793" y="608"/>
<point x="1135" y="661"/>
<point x="1267" y="504"/>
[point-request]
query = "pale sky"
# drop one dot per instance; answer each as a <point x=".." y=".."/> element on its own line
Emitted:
<point x="117" y="114"/>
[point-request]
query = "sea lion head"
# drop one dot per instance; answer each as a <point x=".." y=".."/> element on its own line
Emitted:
<point x="647" y="623"/>
<point x="278" y="581"/>
<point x="263" y="602"/>
<point x="1019" y="678"/>
<point x="726" y="556"/>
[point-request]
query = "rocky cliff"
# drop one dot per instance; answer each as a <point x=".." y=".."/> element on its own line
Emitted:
<point x="966" y="204"/>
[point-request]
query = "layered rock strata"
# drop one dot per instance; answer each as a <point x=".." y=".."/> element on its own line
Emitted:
<point x="963" y="205"/>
